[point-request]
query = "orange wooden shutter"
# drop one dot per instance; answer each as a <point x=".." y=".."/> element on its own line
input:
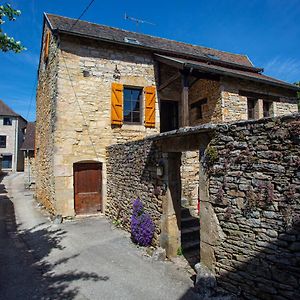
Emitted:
<point x="150" y="95"/>
<point x="116" y="104"/>
<point x="46" y="46"/>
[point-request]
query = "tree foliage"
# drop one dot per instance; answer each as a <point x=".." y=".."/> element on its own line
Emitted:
<point x="8" y="43"/>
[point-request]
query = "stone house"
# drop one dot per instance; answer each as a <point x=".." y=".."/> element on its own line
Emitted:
<point x="11" y="137"/>
<point x="29" y="157"/>
<point x="100" y="86"/>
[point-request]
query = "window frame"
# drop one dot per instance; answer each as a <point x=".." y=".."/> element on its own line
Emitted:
<point x="7" y="118"/>
<point x="269" y="112"/>
<point x="255" y="102"/>
<point x="7" y="155"/>
<point x="5" y="141"/>
<point x="141" y="106"/>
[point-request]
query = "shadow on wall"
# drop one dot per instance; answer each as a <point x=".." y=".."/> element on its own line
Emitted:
<point x="25" y="274"/>
<point x="271" y="273"/>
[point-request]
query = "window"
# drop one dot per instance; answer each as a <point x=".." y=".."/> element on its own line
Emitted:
<point x="6" y="161"/>
<point x="132" y="105"/>
<point x="197" y="110"/>
<point x="251" y="102"/>
<point x="267" y="108"/>
<point x="7" y="121"/>
<point x="2" y="141"/>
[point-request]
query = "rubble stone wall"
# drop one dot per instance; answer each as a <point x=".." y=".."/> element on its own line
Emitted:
<point x="254" y="193"/>
<point x="131" y="174"/>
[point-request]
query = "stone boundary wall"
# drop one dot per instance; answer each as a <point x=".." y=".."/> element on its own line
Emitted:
<point x="131" y="174"/>
<point x="254" y="192"/>
<point x="250" y="218"/>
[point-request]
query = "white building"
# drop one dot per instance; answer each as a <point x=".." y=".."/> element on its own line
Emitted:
<point x="12" y="127"/>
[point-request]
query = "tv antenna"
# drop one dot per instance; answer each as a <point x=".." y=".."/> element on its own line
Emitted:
<point x="137" y="21"/>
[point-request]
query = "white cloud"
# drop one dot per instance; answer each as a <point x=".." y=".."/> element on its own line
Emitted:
<point x="287" y="69"/>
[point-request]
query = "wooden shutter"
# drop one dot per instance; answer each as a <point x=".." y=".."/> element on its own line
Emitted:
<point x="116" y="104"/>
<point x="46" y="46"/>
<point x="150" y="96"/>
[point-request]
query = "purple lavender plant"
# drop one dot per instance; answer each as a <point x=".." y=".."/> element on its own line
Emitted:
<point x="142" y="226"/>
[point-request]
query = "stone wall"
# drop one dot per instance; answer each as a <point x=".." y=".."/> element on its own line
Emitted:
<point x="131" y="174"/>
<point x="212" y="110"/>
<point x="190" y="179"/>
<point x="29" y="169"/>
<point x="254" y="180"/>
<point x="45" y="126"/>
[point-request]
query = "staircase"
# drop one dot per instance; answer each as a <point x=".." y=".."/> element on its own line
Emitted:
<point x="190" y="236"/>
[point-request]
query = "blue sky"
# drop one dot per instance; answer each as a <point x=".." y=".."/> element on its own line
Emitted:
<point x="268" y="31"/>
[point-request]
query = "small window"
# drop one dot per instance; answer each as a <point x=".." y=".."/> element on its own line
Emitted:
<point x="7" y="121"/>
<point x="2" y="141"/>
<point x="267" y="108"/>
<point x="251" y="102"/>
<point x="196" y="108"/>
<point x="132" y="105"/>
<point x="6" y="161"/>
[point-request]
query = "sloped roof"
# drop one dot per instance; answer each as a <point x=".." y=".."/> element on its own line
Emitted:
<point x="29" y="140"/>
<point x="5" y="110"/>
<point x="120" y="36"/>
<point x="209" y="68"/>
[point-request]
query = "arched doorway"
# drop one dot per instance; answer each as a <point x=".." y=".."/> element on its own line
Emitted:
<point x="87" y="187"/>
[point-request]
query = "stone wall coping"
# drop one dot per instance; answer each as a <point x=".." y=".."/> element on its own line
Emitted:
<point x="210" y="128"/>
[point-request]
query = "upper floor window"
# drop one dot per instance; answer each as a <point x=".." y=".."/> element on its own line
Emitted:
<point x="132" y="105"/>
<point x="197" y="108"/>
<point x="267" y="107"/>
<point x="7" y="121"/>
<point x="251" y="103"/>
<point x="2" y="141"/>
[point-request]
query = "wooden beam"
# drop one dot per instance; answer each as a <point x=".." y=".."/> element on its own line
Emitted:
<point x="169" y="81"/>
<point x="185" y="100"/>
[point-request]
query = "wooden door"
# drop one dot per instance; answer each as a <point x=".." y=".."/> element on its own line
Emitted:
<point x="87" y="188"/>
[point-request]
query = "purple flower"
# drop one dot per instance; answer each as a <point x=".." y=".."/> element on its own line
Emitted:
<point x="142" y="226"/>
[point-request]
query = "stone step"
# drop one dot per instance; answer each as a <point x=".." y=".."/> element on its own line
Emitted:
<point x="189" y="230"/>
<point x="191" y="245"/>
<point x="189" y="222"/>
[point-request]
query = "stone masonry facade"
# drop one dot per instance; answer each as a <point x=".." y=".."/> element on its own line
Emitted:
<point x="74" y="110"/>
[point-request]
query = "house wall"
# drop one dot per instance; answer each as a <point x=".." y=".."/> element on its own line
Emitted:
<point x="29" y="169"/>
<point x="14" y="138"/>
<point x="234" y="106"/>
<point x="212" y="110"/>
<point x="83" y="110"/>
<point x="45" y="126"/>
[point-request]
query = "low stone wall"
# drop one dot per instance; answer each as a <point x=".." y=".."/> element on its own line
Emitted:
<point x="254" y="191"/>
<point x="131" y="174"/>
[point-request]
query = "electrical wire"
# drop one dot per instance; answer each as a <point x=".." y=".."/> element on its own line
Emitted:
<point x="84" y="11"/>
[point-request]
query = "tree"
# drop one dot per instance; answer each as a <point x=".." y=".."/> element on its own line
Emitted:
<point x="8" y="43"/>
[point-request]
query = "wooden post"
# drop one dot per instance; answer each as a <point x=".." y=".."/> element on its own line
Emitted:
<point x="185" y="100"/>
